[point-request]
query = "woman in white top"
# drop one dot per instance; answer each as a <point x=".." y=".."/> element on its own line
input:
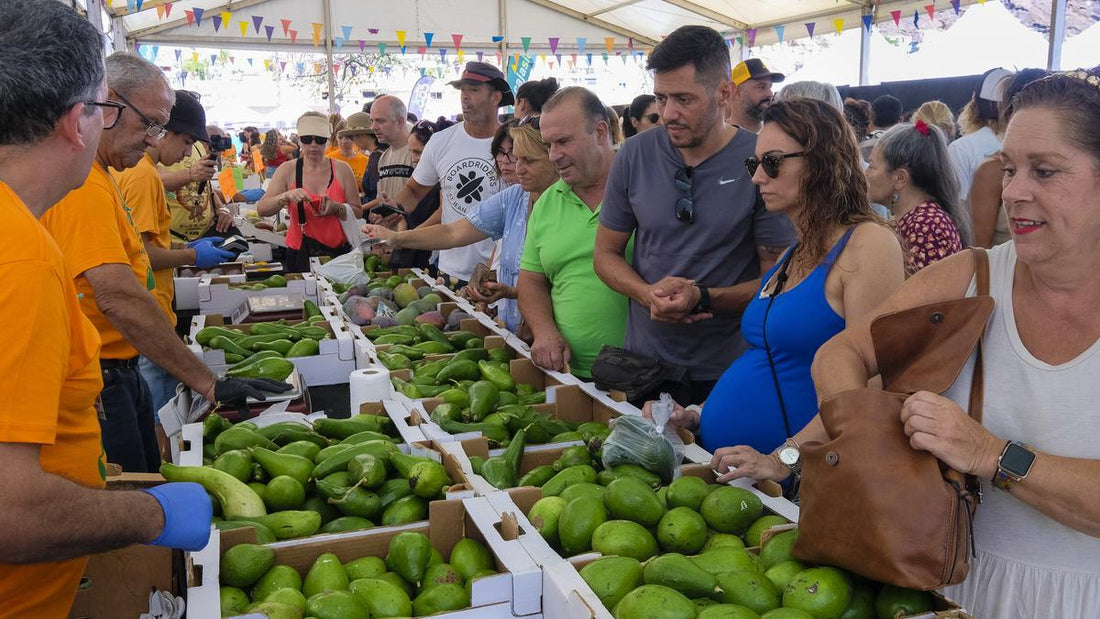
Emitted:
<point x="1037" y="532"/>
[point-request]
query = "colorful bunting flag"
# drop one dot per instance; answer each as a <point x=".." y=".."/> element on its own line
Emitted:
<point x="581" y="42"/>
<point x="457" y="39"/>
<point x="217" y="19"/>
<point x="897" y="17"/>
<point x="526" y="41"/>
<point x="244" y="28"/>
<point x="179" y="52"/>
<point x="554" y="45"/>
<point x="810" y="28"/>
<point x="249" y="59"/>
<point x="362" y="46"/>
<point x="401" y="39"/>
<point x="347" y="32"/>
<point x="156" y="52"/>
<point x="167" y="8"/>
<point x="955" y="5"/>
<point x="740" y="40"/>
<point x="382" y="49"/>
<point x="257" y="21"/>
<point x="339" y="41"/>
<point x="838" y="23"/>
<point x="423" y="49"/>
<point x="232" y="60"/>
<point x="226" y="18"/>
<point x="282" y="66"/>
<point x="194" y="56"/>
<point x="916" y="19"/>
<point x="317" y="33"/>
<point x="609" y="43"/>
<point x="497" y="39"/>
<point x="867" y="19"/>
<point x="588" y="57"/>
<point x="213" y="59"/>
<point x="751" y="36"/>
<point x="269" y="30"/>
<point x="443" y="54"/>
<point x="286" y="27"/>
<point x="461" y="56"/>
<point x="931" y="10"/>
<point x="779" y="32"/>
<point x="293" y="36"/>
<point x="428" y="36"/>
<point x="160" y="11"/>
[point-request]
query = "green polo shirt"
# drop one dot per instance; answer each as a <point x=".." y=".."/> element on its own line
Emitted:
<point x="560" y="237"/>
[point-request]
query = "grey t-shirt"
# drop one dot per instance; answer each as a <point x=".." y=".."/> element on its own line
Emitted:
<point x="718" y="249"/>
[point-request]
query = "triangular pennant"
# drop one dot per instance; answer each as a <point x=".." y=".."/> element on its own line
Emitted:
<point x="196" y="16"/>
<point x="317" y="68"/>
<point x="574" y="57"/>
<point x="480" y="56"/>
<point x="497" y="39"/>
<point x="139" y="3"/>
<point x="609" y="43"/>
<point x="931" y="10"/>
<point x="867" y="19"/>
<point x="604" y="57"/>
<point x="269" y="30"/>
<point x="195" y="56"/>
<point x="168" y="9"/>
<point x="457" y="39"/>
<point x="838" y="23"/>
<point x="461" y="56"/>
<point x="362" y="46"/>
<point x="249" y="61"/>
<point x="131" y="6"/>
<point x="428" y="36"/>
<point x="526" y="42"/>
<point x="213" y="59"/>
<point x="403" y="49"/>
<point x="443" y="54"/>
<point x="779" y="32"/>
<point x="542" y="58"/>
<point x="897" y="17"/>
<point x="916" y="19"/>
<point x="955" y="5"/>
<point x="137" y="48"/>
<point x="347" y="32"/>
<point x="282" y="66"/>
<point x="401" y="38"/>
<point x="354" y="70"/>
<point x="317" y="33"/>
<point x="740" y="40"/>
<point x="301" y="68"/>
<point x="423" y="49"/>
<point x="581" y="42"/>
<point x="179" y="52"/>
<point x="339" y="41"/>
<point x="554" y="45"/>
<point x="588" y="57"/>
<point x="257" y="21"/>
<point x="382" y="49"/>
<point x="233" y="60"/>
<point x="810" y="28"/>
<point x="623" y="57"/>
<point x="286" y="27"/>
<point x="226" y="17"/>
<point x="244" y="28"/>
<point x="217" y="19"/>
<point x="372" y="31"/>
<point x="630" y="43"/>
<point x="750" y="35"/>
<point x="160" y="11"/>
<point x="293" y="36"/>
<point x="558" y="56"/>
<point x="156" y="52"/>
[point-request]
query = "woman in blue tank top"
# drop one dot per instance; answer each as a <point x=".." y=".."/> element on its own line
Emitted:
<point x="845" y="263"/>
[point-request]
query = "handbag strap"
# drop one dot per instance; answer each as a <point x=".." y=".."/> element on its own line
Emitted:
<point x="977" y="383"/>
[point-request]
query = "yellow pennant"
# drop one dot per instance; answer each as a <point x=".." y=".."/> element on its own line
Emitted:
<point x="267" y="64"/>
<point x="244" y="28"/>
<point x="160" y="11"/>
<point x="401" y="38"/>
<point x="195" y="56"/>
<point x="226" y="16"/>
<point x="838" y="23"/>
<point x="317" y="33"/>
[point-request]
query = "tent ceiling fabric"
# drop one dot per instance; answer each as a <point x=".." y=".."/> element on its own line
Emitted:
<point x="645" y="21"/>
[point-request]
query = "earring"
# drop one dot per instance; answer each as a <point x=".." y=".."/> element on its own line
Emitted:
<point x="894" y="199"/>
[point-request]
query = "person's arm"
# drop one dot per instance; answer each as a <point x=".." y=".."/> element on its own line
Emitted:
<point x="133" y="311"/>
<point x="409" y="197"/>
<point x="549" y="350"/>
<point x="609" y="262"/>
<point x="201" y="170"/>
<point x="162" y="258"/>
<point x="871" y="269"/>
<point x="278" y="196"/>
<point x="458" y="233"/>
<point x="985" y="201"/>
<point x="81" y="520"/>
<point x="346" y="177"/>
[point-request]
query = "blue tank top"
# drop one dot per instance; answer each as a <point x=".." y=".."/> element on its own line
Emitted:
<point x="743" y="408"/>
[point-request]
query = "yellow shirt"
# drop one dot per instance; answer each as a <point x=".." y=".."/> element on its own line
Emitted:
<point x="93" y="226"/>
<point x="181" y="201"/>
<point x="143" y="190"/>
<point x="358" y="163"/>
<point x="49" y="380"/>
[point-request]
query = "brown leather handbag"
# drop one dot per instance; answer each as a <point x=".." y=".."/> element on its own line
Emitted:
<point x="872" y="504"/>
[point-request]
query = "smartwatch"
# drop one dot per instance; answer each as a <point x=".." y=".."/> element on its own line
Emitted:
<point x="704" y="299"/>
<point x="1013" y="465"/>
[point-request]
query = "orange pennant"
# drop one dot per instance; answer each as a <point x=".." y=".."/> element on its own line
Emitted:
<point x="317" y="33"/>
<point x="609" y="42"/>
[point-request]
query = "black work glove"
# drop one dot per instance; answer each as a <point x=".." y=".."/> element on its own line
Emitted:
<point x="233" y="391"/>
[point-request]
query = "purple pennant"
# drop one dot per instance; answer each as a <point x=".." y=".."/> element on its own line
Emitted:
<point x="554" y="45"/>
<point x="480" y="56"/>
<point x="249" y="61"/>
<point x="269" y="30"/>
<point x="198" y="16"/>
<point x="750" y="36"/>
<point x="362" y="46"/>
<point x="213" y="59"/>
<point x="179" y="52"/>
<point x="217" y="22"/>
<point x="282" y="66"/>
<point x="372" y="30"/>
<point x="257" y="21"/>
<point x="137" y="48"/>
<point x="443" y="54"/>
<point x="810" y="28"/>
<point x="955" y="5"/>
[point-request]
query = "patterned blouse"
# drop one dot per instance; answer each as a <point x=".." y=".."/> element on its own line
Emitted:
<point x="928" y="234"/>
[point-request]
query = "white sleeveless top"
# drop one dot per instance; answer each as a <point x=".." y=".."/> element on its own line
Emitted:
<point x="1027" y="564"/>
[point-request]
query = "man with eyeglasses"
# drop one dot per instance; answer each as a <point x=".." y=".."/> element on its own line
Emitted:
<point x="55" y="507"/>
<point x="94" y="227"/>
<point x="701" y="232"/>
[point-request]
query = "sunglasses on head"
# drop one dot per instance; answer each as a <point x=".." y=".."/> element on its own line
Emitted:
<point x="770" y="162"/>
<point x="685" y="206"/>
<point x="312" y="139"/>
<point x="530" y="120"/>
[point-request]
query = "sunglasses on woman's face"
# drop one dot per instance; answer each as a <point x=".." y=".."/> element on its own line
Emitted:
<point x="653" y="118"/>
<point x="313" y="139"/>
<point x="770" y="162"/>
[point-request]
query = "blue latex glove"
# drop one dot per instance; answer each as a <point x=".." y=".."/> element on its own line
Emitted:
<point x="205" y="239"/>
<point x="187" y="515"/>
<point x="208" y="256"/>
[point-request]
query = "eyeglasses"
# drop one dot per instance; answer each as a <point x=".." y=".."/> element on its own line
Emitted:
<point x="507" y="155"/>
<point x="312" y="139"/>
<point x="152" y="129"/>
<point x="111" y="110"/>
<point x="685" y="207"/>
<point x="530" y="120"/>
<point x="653" y="118"/>
<point x="770" y="162"/>
<point x="423" y="130"/>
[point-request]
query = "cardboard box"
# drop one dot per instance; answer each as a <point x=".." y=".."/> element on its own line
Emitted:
<point x="216" y="297"/>
<point x="515" y="592"/>
<point x="249" y="230"/>
<point x="187" y="288"/>
<point x="117" y="583"/>
<point x="333" y="364"/>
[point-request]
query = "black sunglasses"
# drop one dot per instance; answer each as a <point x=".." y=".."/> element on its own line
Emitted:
<point x="770" y="162"/>
<point x="108" y="108"/>
<point x="530" y="120"/>
<point x="653" y="118"/>
<point x="685" y="207"/>
<point x="312" y="139"/>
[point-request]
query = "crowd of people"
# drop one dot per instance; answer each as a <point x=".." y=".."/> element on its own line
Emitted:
<point x="742" y="238"/>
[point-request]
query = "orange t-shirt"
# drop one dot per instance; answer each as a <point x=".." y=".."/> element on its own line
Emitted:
<point x="358" y="163"/>
<point x="93" y="226"/>
<point x="49" y="380"/>
<point x="143" y="190"/>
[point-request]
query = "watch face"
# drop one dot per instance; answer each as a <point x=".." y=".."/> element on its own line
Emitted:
<point x="1017" y="460"/>
<point x="788" y="456"/>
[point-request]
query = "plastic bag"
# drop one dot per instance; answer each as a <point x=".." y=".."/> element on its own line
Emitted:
<point x="348" y="268"/>
<point x="359" y="310"/>
<point x="652" y="445"/>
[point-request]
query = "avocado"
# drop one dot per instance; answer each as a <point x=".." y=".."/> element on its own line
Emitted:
<point x="624" y="538"/>
<point x="629" y="498"/>
<point x="611" y="578"/>
<point x="579" y="520"/>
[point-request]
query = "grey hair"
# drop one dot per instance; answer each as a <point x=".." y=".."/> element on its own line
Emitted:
<point x="52" y="59"/>
<point x="812" y="90"/>
<point x="925" y="156"/>
<point x="129" y="73"/>
<point x="398" y="110"/>
<point x="591" y="106"/>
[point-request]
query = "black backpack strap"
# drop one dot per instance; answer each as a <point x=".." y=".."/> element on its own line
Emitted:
<point x="298" y="185"/>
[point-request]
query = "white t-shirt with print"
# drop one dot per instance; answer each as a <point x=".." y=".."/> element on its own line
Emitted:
<point x="467" y="175"/>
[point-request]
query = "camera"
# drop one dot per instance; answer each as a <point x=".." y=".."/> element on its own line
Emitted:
<point x="218" y="143"/>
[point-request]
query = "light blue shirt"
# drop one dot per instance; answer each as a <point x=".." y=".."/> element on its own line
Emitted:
<point x="504" y="216"/>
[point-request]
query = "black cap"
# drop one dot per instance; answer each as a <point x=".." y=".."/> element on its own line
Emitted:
<point x="485" y="73"/>
<point x="188" y="116"/>
<point x="753" y="68"/>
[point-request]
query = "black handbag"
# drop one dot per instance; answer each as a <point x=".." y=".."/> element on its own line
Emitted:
<point x="639" y="377"/>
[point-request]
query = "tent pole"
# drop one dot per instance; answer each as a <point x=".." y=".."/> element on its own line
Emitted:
<point x="332" y="107"/>
<point x="865" y="47"/>
<point x="1057" y="35"/>
<point x="503" y="12"/>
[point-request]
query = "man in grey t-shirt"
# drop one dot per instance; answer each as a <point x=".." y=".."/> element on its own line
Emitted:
<point x="702" y="234"/>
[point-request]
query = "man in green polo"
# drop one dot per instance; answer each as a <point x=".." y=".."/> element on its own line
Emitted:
<point x="571" y="312"/>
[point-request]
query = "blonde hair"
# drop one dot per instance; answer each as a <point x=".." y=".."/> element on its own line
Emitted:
<point x="937" y="113"/>
<point x="970" y="121"/>
<point x="615" y="125"/>
<point x="527" y="142"/>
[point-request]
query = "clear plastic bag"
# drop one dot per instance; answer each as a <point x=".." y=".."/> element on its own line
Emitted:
<point x="346" y="269"/>
<point x="652" y="445"/>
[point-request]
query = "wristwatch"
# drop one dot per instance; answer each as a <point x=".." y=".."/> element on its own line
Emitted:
<point x="790" y="456"/>
<point x="704" y="299"/>
<point x="1013" y="465"/>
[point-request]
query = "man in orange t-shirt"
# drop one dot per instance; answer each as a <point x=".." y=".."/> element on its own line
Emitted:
<point x="143" y="190"/>
<point x="55" y="508"/>
<point x="94" y="228"/>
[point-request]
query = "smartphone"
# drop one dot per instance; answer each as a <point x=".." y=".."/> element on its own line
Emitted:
<point x="385" y="210"/>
